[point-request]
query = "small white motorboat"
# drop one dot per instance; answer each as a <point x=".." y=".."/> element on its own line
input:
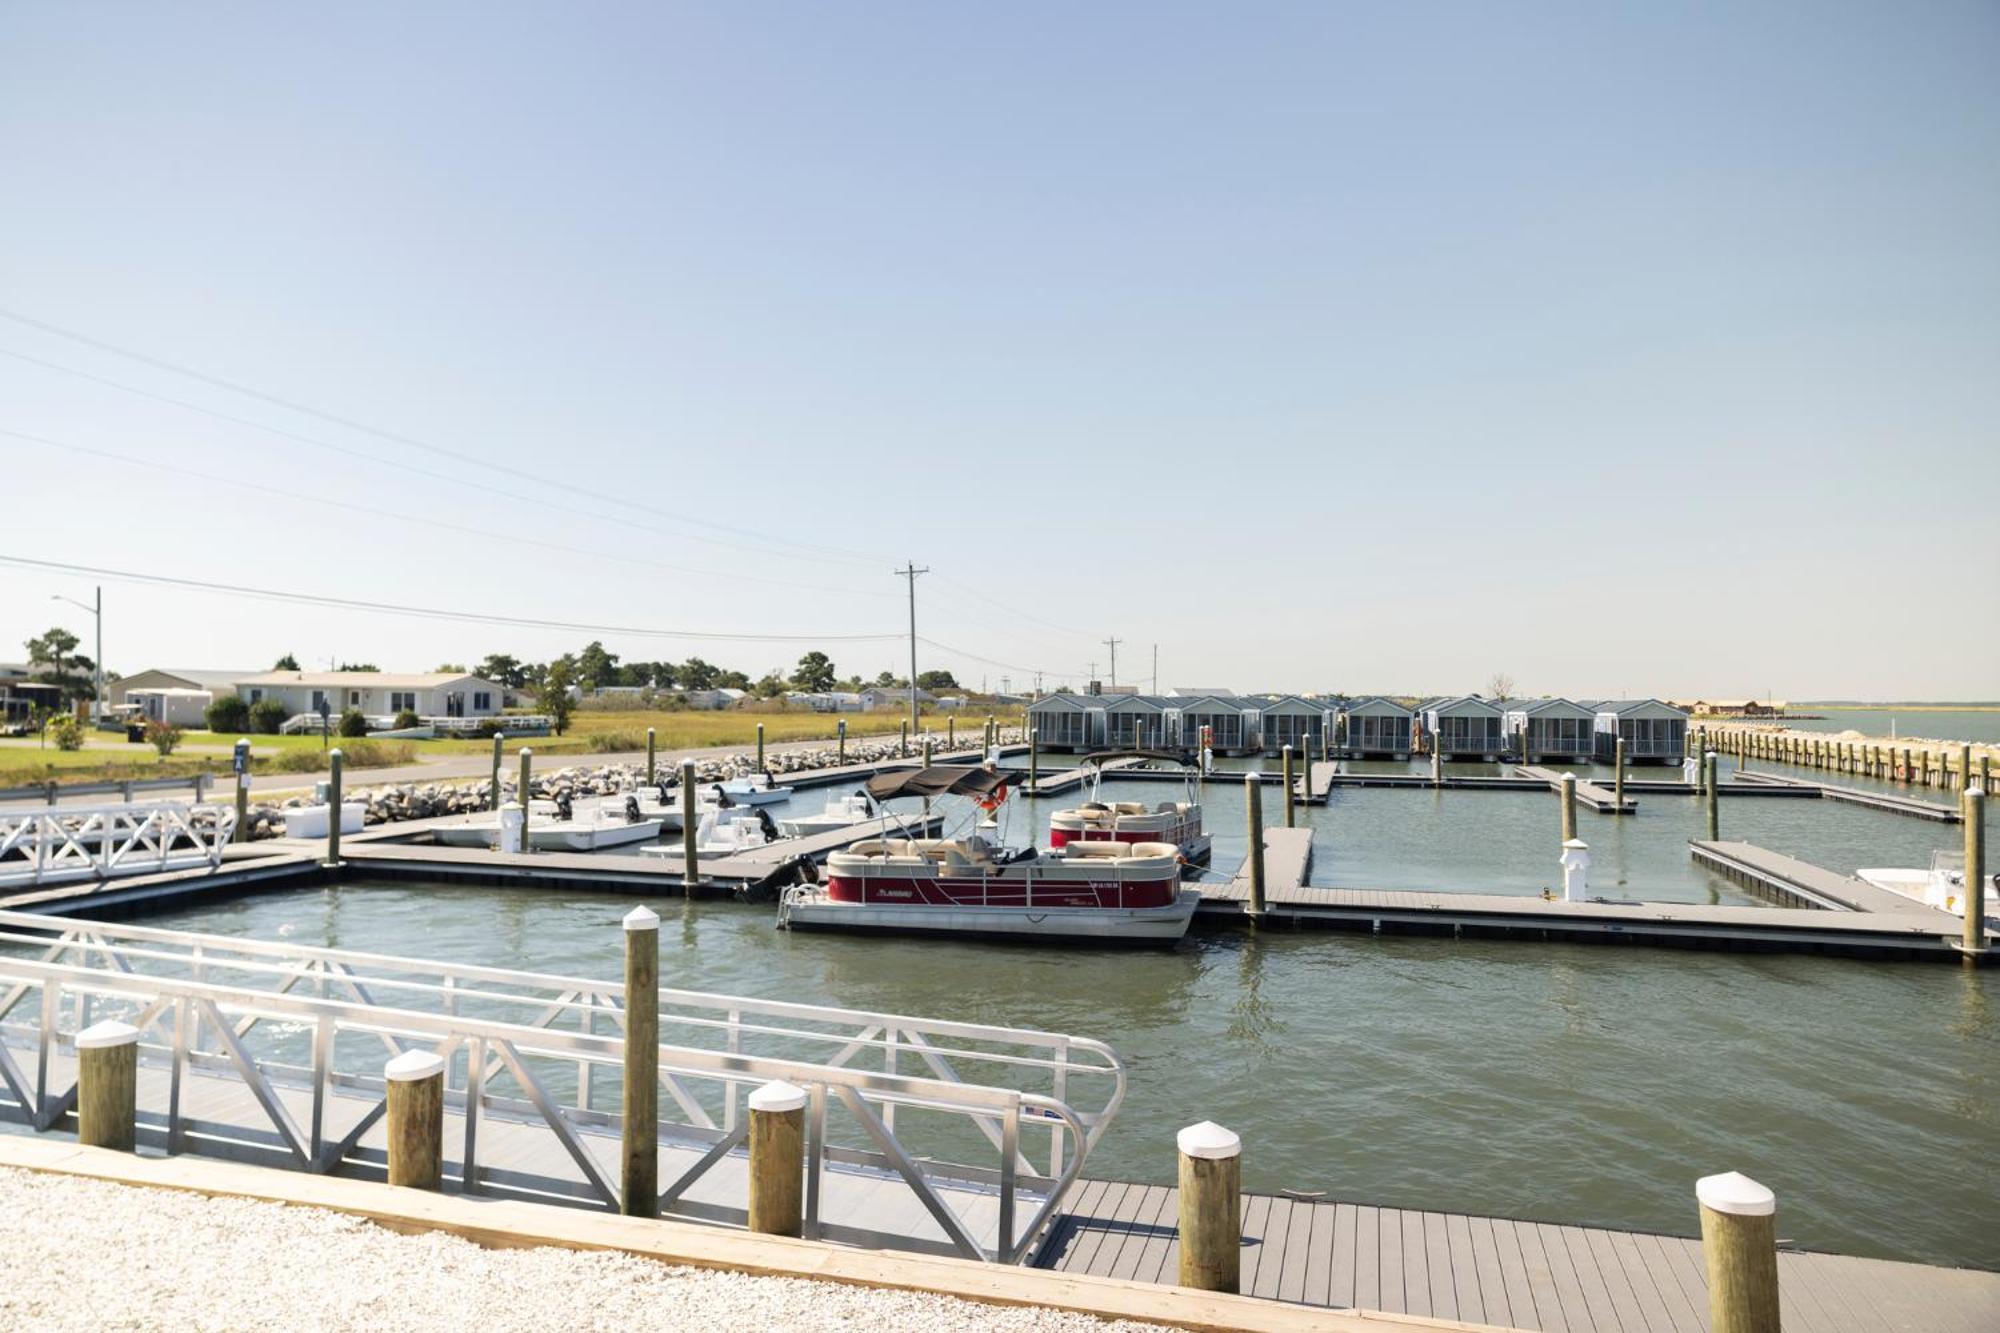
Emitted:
<point x="756" y="789"/>
<point x="1942" y="886"/>
<point x="840" y="812"/>
<point x="557" y="826"/>
<point x="724" y="833"/>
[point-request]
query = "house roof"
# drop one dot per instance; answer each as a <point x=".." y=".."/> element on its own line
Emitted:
<point x="1292" y="704"/>
<point x="1201" y="692"/>
<point x="1377" y="704"/>
<point x="1533" y="706"/>
<point x="1465" y="703"/>
<point x="361" y="680"/>
<point x="1623" y="706"/>
<point x="205" y="678"/>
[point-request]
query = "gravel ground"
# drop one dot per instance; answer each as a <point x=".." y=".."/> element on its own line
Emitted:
<point x="84" y="1254"/>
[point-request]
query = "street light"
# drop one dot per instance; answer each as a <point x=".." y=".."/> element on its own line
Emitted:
<point x="97" y="684"/>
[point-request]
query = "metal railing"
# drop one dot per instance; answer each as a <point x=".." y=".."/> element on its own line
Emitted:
<point x="61" y="843"/>
<point x="123" y="788"/>
<point x="304" y="1032"/>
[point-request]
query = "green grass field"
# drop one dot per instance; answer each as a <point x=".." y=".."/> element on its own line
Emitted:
<point x="108" y="757"/>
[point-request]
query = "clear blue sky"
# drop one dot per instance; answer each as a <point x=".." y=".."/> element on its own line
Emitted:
<point x="1623" y="348"/>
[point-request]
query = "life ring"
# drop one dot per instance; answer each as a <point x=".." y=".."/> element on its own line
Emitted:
<point x="991" y="801"/>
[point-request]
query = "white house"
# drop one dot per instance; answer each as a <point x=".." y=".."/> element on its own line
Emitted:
<point x="1464" y="728"/>
<point x="1558" y="729"/>
<point x="1376" y="728"/>
<point x="1653" y="732"/>
<point x="217" y="683"/>
<point x="182" y="708"/>
<point x="375" y="693"/>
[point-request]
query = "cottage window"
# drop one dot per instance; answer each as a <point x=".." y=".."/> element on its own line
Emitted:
<point x="483" y="700"/>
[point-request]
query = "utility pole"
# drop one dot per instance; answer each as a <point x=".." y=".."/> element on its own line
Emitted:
<point x="1112" y="644"/>
<point x="1156" y="669"/>
<point x="910" y="572"/>
<point x="97" y="676"/>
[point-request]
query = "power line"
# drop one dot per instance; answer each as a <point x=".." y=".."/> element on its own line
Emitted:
<point x="285" y="493"/>
<point x="436" y="613"/>
<point x="396" y="437"/>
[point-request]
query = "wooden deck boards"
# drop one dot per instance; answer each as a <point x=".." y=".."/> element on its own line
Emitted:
<point x="1515" y="1274"/>
<point x="1601" y="799"/>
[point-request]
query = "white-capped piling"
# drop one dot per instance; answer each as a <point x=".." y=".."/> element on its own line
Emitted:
<point x="640" y="1139"/>
<point x="1972" y="806"/>
<point x="1290" y="819"/>
<point x="690" y="861"/>
<point x="1739" y="1243"/>
<point x="1211" y="1192"/>
<point x="107" y="1085"/>
<point x="1709" y="795"/>
<point x="333" y="811"/>
<point x="777" y="1158"/>
<point x="1253" y="805"/>
<point x="499" y="744"/>
<point x="416" y="1119"/>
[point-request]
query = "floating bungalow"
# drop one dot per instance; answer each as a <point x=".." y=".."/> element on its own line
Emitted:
<point x="1140" y="722"/>
<point x="1299" y="723"/>
<point x="1557" y="729"/>
<point x="1653" y="732"/>
<point x="1232" y="723"/>
<point x="1376" y="728"/>
<point x="1464" y="728"/>
<point x="1067" y="721"/>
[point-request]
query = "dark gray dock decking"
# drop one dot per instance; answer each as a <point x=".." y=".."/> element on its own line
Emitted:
<point x="1531" y="1275"/>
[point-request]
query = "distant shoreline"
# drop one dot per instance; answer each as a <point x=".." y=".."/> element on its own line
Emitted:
<point x="1907" y="707"/>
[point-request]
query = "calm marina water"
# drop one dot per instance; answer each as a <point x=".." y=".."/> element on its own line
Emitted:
<point x="1956" y="724"/>
<point x="1567" y="1082"/>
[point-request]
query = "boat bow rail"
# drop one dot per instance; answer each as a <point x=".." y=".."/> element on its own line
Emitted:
<point x="293" y="1038"/>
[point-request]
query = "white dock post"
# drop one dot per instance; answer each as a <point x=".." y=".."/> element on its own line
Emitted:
<point x="777" y="1159"/>
<point x="107" y="1085"/>
<point x="1576" y="870"/>
<point x="1211" y="1228"/>
<point x="1437" y="761"/>
<point x="416" y="1119"/>
<point x="513" y="827"/>
<point x="639" y="1190"/>
<point x="1739" y="1242"/>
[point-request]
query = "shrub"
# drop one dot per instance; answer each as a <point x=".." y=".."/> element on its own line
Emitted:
<point x="405" y="720"/>
<point x="353" y="754"/>
<point x="267" y="715"/>
<point x="66" y="731"/>
<point x="229" y="715"/>
<point x="163" y="736"/>
<point x="352" y="723"/>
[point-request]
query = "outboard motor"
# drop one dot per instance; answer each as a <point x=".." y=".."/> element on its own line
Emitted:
<point x="722" y="801"/>
<point x="765" y="822"/>
<point x="665" y="798"/>
<point x="563" y="811"/>
<point x="632" y="815"/>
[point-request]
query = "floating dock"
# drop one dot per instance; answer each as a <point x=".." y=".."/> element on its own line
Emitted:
<point x="1873" y="800"/>
<point x="1601" y="799"/>
<point x="1499" y="1271"/>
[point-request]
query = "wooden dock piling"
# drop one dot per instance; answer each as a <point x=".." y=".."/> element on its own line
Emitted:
<point x="760" y="749"/>
<point x="1211" y="1191"/>
<point x="1287" y="761"/>
<point x="1740" y="1247"/>
<point x="1974" y="805"/>
<point x="107" y="1085"/>
<point x="526" y="793"/>
<point x="416" y="1119"/>
<point x="1964" y="767"/>
<point x="1253" y="804"/>
<point x="903" y="738"/>
<point x="1709" y="795"/>
<point x="1618" y="772"/>
<point x="690" y="841"/>
<point x="1566" y="797"/>
<point x="242" y="771"/>
<point x="499" y="742"/>
<point x="640" y="1134"/>
<point x="840" y="742"/>
<point x="777" y="1159"/>
<point x="333" y="811"/>
<point x="1306" y="776"/>
<point x="1034" y="760"/>
<point x="651" y="757"/>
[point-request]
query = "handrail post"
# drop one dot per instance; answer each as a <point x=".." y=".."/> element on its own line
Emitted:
<point x="416" y="1119"/>
<point x="107" y="1085"/>
<point x="777" y="1159"/>
<point x="1211" y="1233"/>
<point x="640" y="1186"/>
<point x="1739" y="1242"/>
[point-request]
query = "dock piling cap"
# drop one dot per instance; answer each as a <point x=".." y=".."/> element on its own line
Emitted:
<point x="778" y="1095"/>
<point x="1208" y="1140"/>
<point x="110" y="1032"/>
<point x="1736" y="1194"/>
<point x="642" y="918"/>
<point x="413" y="1065"/>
